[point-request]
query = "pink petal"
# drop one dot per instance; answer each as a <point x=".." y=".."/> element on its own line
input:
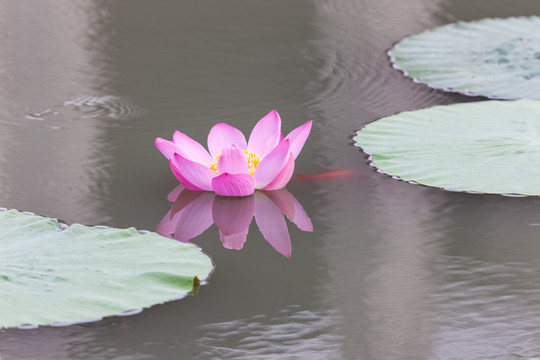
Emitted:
<point x="175" y="192"/>
<point x="233" y="184"/>
<point x="283" y="177"/>
<point x="194" y="219"/>
<point x="266" y="134"/>
<point x="233" y="215"/>
<point x="301" y="218"/>
<point x="298" y="137"/>
<point x="191" y="149"/>
<point x="167" y="225"/>
<point x="222" y="135"/>
<point x="167" y="148"/>
<point x="270" y="167"/>
<point x="232" y="161"/>
<point x="290" y="207"/>
<point x="185" y="198"/>
<point x="183" y="181"/>
<point x="284" y="200"/>
<point x="234" y="241"/>
<point x="191" y="221"/>
<point x="192" y="175"/>
<point x="272" y="225"/>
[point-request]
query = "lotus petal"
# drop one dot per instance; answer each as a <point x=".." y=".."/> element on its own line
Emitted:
<point x="272" y="224"/>
<point x="233" y="184"/>
<point x="234" y="241"/>
<point x="173" y="195"/>
<point x="191" y="221"/>
<point x="222" y="135"/>
<point x="281" y="180"/>
<point x="291" y="208"/>
<point x="270" y="167"/>
<point x="284" y="200"/>
<point x="298" y="137"/>
<point x="191" y="149"/>
<point x="166" y="147"/>
<point x="193" y="175"/>
<point x="232" y="161"/>
<point x="266" y="134"/>
<point x="233" y="215"/>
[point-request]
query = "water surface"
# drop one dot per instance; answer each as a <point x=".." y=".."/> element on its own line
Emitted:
<point x="391" y="270"/>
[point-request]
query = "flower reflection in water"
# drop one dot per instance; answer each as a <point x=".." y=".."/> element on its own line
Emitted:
<point x="194" y="211"/>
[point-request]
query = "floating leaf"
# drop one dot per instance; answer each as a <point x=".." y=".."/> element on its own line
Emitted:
<point x="54" y="274"/>
<point x="489" y="146"/>
<point x="497" y="58"/>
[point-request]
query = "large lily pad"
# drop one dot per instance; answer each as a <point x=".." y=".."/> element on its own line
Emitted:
<point x="489" y="147"/>
<point x="497" y="58"/>
<point x="54" y="274"/>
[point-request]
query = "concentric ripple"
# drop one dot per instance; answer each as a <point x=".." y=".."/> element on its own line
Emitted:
<point x="89" y="106"/>
<point x="103" y="106"/>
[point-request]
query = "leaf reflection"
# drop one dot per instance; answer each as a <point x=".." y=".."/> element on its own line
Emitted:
<point x="194" y="211"/>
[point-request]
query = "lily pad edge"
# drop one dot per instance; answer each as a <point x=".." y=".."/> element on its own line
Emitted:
<point x="447" y="89"/>
<point x="63" y="226"/>
<point x="371" y="162"/>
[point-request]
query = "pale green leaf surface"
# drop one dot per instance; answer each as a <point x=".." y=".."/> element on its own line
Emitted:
<point x="497" y="58"/>
<point x="49" y="275"/>
<point x="490" y="146"/>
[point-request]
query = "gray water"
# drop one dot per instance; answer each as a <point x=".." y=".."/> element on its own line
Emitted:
<point x="391" y="270"/>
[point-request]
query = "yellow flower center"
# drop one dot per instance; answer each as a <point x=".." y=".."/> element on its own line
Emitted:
<point x="253" y="161"/>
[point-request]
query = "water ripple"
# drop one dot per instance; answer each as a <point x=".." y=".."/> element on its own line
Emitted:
<point x="488" y="310"/>
<point x="103" y="106"/>
<point x="89" y="106"/>
<point x="353" y="74"/>
<point x="292" y="333"/>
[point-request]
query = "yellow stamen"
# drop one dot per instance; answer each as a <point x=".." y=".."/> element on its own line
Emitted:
<point x="213" y="164"/>
<point x="253" y="161"/>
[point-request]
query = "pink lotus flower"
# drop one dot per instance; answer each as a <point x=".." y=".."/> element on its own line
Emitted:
<point x="193" y="212"/>
<point x="234" y="167"/>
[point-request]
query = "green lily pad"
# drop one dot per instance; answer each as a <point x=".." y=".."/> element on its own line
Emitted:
<point x="488" y="147"/>
<point x="496" y="58"/>
<point x="52" y="274"/>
